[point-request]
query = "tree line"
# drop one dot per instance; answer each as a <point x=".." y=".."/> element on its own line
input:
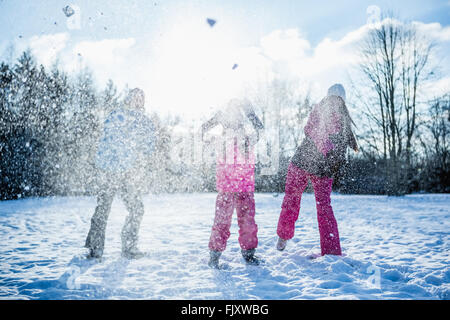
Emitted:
<point x="50" y="124"/>
<point x="405" y="135"/>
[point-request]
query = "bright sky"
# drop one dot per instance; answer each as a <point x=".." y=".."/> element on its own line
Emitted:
<point x="186" y="66"/>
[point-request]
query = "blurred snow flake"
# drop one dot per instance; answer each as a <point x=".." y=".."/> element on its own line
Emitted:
<point x="73" y="14"/>
<point x="235" y="66"/>
<point x="68" y="11"/>
<point x="373" y="14"/>
<point x="211" y="22"/>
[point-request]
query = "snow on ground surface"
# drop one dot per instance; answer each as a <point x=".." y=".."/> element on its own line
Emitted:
<point x="395" y="248"/>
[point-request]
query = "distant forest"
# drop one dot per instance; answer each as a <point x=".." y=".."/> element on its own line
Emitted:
<point x="50" y="123"/>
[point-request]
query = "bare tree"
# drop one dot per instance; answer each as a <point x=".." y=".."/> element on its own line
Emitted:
<point x="439" y="126"/>
<point x="394" y="60"/>
<point x="434" y="173"/>
<point x="286" y="109"/>
<point x="380" y="59"/>
<point x="414" y="56"/>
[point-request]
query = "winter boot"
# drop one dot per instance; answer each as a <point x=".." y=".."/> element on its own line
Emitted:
<point x="95" y="242"/>
<point x="133" y="253"/>
<point x="281" y="244"/>
<point x="249" y="257"/>
<point x="214" y="259"/>
<point x="95" y="253"/>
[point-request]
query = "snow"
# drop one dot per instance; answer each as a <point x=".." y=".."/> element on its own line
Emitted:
<point x="395" y="248"/>
<point x="211" y="22"/>
<point x="68" y="11"/>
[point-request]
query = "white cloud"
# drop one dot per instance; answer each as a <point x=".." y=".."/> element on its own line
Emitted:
<point x="119" y="59"/>
<point x="104" y="52"/>
<point x="291" y="55"/>
<point x="108" y="58"/>
<point x="373" y="14"/>
<point x="285" y="45"/>
<point x="434" y="31"/>
<point x="437" y="88"/>
<point x="190" y="68"/>
<point x="331" y="60"/>
<point x="46" y="48"/>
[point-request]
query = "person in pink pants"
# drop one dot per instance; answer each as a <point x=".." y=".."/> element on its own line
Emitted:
<point x="244" y="203"/>
<point x="296" y="182"/>
<point x="318" y="159"/>
<point x="235" y="181"/>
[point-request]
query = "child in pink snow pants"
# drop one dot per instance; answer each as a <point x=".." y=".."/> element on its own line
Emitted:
<point x="318" y="159"/>
<point x="244" y="203"/>
<point x="296" y="182"/>
<point x="235" y="181"/>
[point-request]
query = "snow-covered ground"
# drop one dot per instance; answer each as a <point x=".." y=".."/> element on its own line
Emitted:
<point x="395" y="248"/>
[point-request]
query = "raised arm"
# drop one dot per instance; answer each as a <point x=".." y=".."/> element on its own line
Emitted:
<point x="211" y="123"/>
<point x="256" y="122"/>
<point x="147" y="130"/>
<point x="251" y="115"/>
<point x="352" y="140"/>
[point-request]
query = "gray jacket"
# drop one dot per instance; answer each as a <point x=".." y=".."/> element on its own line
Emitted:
<point x="128" y="136"/>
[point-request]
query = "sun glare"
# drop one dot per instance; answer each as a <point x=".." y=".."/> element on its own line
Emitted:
<point x="197" y="66"/>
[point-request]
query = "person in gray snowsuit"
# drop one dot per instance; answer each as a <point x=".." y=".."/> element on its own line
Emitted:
<point x="128" y="138"/>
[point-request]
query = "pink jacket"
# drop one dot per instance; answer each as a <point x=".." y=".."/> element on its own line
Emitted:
<point x="324" y="121"/>
<point x="235" y="163"/>
<point x="235" y="168"/>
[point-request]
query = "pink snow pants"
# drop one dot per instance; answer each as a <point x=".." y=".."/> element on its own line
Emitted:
<point x="296" y="182"/>
<point x="244" y="202"/>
